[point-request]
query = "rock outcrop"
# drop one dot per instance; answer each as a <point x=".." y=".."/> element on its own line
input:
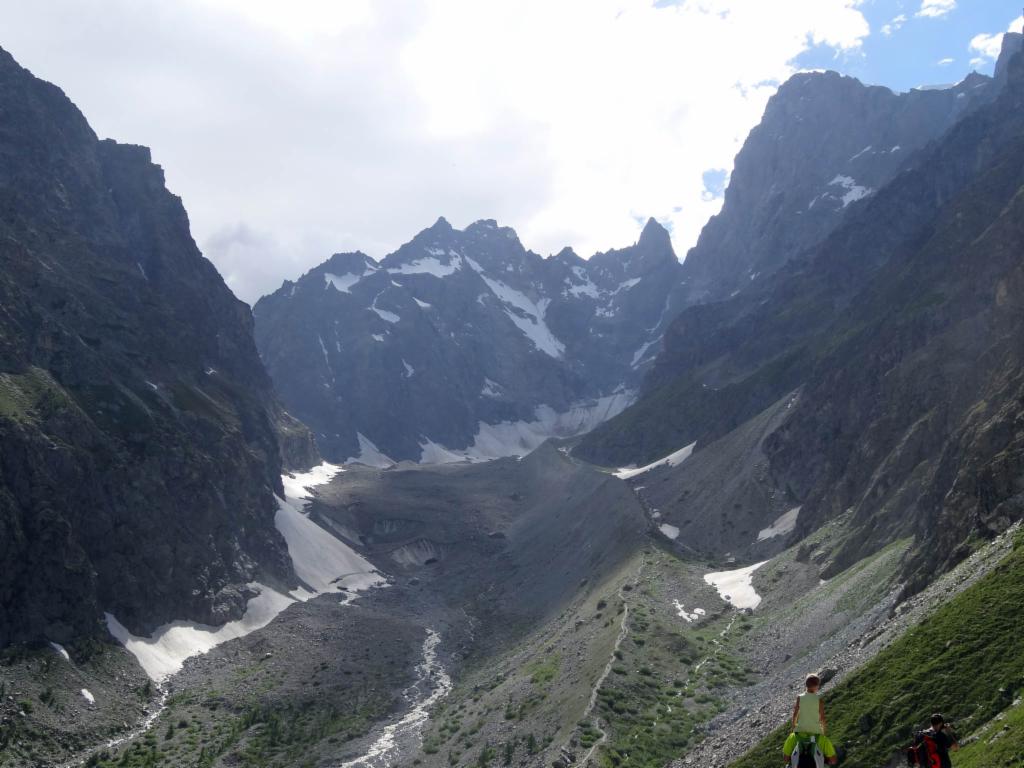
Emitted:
<point x="138" y="455"/>
<point x="464" y="342"/>
<point x="902" y="335"/>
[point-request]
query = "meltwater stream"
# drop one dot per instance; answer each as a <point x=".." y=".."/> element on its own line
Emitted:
<point x="406" y="735"/>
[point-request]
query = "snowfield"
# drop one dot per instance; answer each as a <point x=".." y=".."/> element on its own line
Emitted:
<point x="669" y="530"/>
<point x="672" y="460"/>
<point x="162" y="653"/>
<point x="854" y="191"/>
<point x="369" y="454"/>
<point x="736" y="587"/>
<point x="345" y="282"/>
<point x="431" y="265"/>
<point x="518" y="438"/>
<point x="323" y="562"/>
<point x="783" y="525"/>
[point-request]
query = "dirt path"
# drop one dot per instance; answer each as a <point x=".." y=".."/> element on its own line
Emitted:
<point x="623" y="631"/>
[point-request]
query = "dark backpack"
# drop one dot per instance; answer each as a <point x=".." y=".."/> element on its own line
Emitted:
<point x="925" y="751"/>
<point x="806" y="751"/>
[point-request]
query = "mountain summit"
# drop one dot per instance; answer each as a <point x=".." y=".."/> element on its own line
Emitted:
<point x="463" y="343"/>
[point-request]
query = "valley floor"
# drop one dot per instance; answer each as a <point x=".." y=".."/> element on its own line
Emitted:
<point x="534" y="615"/>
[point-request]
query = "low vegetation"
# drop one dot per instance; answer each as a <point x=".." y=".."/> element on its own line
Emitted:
<point x="966" y="660"/>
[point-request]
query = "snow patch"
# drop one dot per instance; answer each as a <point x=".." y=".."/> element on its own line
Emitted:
<point x="854" y="191"/>
<point x="863" y="151"/>
<point x="430" y="265"/>
<point x="518" y="438"/>
<point x="532" y="325"/>
<point x="323" y="349"/>
<point x="325" y="563"/>
<point x="61" y="651"/>
<point x="383" y="314"/>
<point x="370" y="454"/>
<point x="377" y="336"/>
<point x="670" y="531"/>
<point x="491" y="388"/>
<point x="87" y="695"/>
<point x="421" y="304"/>
<point x="672" y="460"/>
<point x="435" y="453"/>
<point x="783" y="525"/>
<point x="297" y="486"/>
<point x="638" y="356"/>
<point x="409" y="370"/>
<point x="585" y="288"/>
<point x="322" y="561"/>
<point x="345" y="282"/>
<point x="162" y="653"/>
<point x="626" y="285"/>
<point x="736" y="587"/>
<point x="688" y="616"/>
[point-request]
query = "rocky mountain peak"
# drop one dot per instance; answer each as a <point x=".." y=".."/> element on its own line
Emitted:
<point x="654" y="235"/>
<point x="1013" y="43"/>
<point x="353" y="261"/>
<point x="568" y="256"/>
<point x="441" y="225"/>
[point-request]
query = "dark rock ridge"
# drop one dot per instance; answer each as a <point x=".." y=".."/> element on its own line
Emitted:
<point x="902" y="334"/>
<point x="825" y="142"/>
<point x="138" y="456"/>
<point x="459" y="329"/>
<point x="462" y="327"/>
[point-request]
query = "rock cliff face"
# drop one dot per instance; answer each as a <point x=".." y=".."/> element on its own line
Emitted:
<point x="825" y="142"/>
<point x="138" y="456"/>
<point x="464" y="342"/>
<point x="902" y="338"/>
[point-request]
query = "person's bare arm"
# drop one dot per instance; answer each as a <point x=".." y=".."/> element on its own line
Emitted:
<point x="821" y="715"/>
<point x="796" y="712"/>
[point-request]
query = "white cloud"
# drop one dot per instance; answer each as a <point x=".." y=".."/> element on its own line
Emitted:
<point x="296" y="130"/>
<point x="936" y="8"/>
<point x="894" y="25"/>
<point x="944" y="62"/>
<point x="987" y="47"/>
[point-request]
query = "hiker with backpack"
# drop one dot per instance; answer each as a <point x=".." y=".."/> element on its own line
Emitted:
<point x="932" y="747"/>
<point x="808" y="744"/>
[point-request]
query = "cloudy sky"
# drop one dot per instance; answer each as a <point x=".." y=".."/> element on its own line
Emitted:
<point x="297" y="129"/>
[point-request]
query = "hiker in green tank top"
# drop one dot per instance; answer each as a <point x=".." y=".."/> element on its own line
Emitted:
<point x="809" y="722"/>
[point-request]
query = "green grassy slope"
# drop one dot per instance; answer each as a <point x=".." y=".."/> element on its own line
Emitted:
<point x="965" y="660"/>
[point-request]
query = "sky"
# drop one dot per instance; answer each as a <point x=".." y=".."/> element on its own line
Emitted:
<point x="294" y="130"/>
